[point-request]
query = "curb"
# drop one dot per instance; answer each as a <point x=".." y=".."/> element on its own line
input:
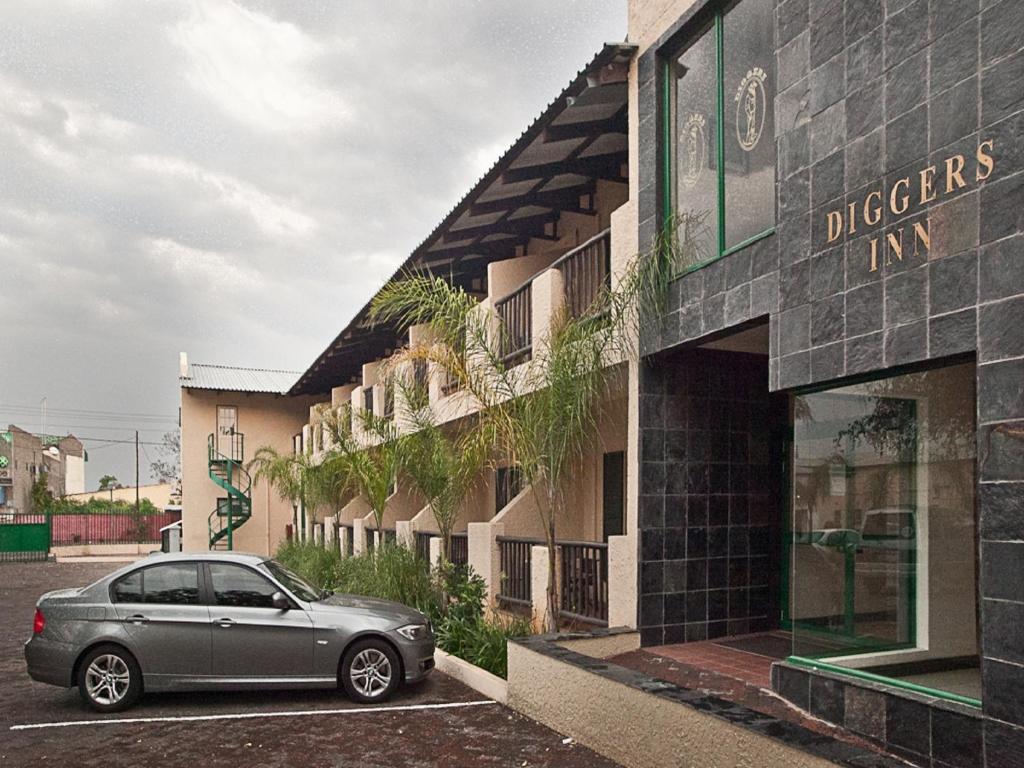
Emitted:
<point x="480" y="680"/>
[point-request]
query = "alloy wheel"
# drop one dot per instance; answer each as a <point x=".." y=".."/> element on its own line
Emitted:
<point x="370" y="672"/>
<point x="107" y="679"/>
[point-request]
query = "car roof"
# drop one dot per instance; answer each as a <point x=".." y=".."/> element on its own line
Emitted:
<point x="227" y="557"/>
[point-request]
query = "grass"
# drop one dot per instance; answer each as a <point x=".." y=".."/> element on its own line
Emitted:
<point x="453" y="598"/>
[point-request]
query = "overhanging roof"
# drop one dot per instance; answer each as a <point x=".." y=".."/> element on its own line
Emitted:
<point x="551" y="169"/>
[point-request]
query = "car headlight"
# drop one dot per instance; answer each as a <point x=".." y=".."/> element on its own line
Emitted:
<point x="414" y="631"/>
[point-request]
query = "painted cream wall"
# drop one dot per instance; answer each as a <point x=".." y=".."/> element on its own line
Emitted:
<point x="74" y="474"/>
<point x="264" y="419"/>
<point x="158" y="494"/>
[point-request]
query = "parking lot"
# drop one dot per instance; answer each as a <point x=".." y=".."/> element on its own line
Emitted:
<point x="440" y="722"/>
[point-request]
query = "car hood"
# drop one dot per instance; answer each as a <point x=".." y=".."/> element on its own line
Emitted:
<point x="383" y="608"/>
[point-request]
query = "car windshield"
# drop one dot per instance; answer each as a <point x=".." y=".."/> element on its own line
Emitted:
<point x="296" y="584"/>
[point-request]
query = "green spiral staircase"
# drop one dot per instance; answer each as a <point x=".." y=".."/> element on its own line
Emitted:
<point x="227" y="471"/>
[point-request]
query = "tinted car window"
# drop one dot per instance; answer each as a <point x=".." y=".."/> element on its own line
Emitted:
<point x="241" y="587"/>
<point x="176" y="584"/>
<point x="129" y="589"/>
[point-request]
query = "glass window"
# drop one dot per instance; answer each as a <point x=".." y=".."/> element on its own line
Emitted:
<point x="883" y="551"/>
<point x="241" y="587"/>
<point x="695" y="149"/>
<point x="747" y="38"/>
<point x="721" y="147"/>
<point x="129" y="588"/>
<point x="176" y="584"/>
<point x="299" y="586"/>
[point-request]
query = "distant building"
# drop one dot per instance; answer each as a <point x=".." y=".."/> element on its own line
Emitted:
<point x="159" y="494"/>
<point x="24" y="455"/>
<point x="227" y="414"/>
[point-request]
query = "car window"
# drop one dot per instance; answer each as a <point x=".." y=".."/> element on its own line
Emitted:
<point x="176" y="584"/>
<point x="171" y="584"/>
<point x="129" y="588"/>
<point x="303" y="589"/>
<point x="240" y="587"/>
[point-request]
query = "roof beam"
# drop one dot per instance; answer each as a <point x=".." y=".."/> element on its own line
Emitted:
<point x="564" y="199"/>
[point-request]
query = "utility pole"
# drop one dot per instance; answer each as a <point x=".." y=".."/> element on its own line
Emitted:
<point x="136" y="472"/>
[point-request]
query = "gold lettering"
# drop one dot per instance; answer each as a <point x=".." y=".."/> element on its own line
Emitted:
<point x="928" y="192"/>
<point x="894" y="245"/>
<point x="904" y="201"/>
<point x="835" y="225"/>
<point x="985" y="160"/>
<point x="955" y="173"/>
<point x="870" y="219"/>
<point x="922" y="235"/>
<point x="851" y="218"/>
<point x="874" y="255"/>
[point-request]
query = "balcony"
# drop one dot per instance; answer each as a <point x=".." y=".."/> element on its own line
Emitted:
<point x="586" y="276"/>
<point x="516" y="334"/>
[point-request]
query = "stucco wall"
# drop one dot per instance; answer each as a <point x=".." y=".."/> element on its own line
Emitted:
<point x="264" y="420"/>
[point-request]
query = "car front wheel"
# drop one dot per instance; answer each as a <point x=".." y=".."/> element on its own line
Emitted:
<point x="109" y="679"/>
<point x="370" y="671"/>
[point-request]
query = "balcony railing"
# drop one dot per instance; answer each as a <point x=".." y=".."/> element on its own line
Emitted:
<point x="423" y="545"/>
<point x="516" y="333"/>
<point x="586" y="275"/>
<point x="349" y="540"/>
<point x="459" y="554"/>
<point x="389" y="536"/>
<point x="584" y="582"/>
<point x="516" y="565"/>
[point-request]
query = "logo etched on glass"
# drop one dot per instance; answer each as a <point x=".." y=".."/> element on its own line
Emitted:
<point x="695" y="149"/>
<point x="751" y="107"/>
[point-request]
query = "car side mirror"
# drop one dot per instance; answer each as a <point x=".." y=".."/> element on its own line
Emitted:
<point x="280" y="601"/>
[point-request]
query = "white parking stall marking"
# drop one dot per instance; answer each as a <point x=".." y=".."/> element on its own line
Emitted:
<point x="253" y="715"/>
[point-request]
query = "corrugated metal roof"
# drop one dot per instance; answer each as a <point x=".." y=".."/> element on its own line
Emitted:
<point x="231" y="379"/>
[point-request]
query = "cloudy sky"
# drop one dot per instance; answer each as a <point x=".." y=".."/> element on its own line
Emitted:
<point x="233" y="179"/>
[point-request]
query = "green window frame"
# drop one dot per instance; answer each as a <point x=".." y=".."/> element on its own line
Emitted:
<point x="666" y="157"/>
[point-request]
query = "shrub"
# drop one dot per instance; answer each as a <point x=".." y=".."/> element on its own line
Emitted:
<point x="452" y="597"/>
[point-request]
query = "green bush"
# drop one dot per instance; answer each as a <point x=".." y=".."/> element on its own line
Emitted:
<point x="453" y="598"/>
<point x="99" y="507"/>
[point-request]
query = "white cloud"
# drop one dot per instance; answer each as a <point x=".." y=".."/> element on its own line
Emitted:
<point x="204" y="270"/>
<point x="272" y="215"/>
<point x="259" y="70"/>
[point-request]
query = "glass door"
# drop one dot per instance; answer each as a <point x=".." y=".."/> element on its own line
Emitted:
<point x="227" y="427"/>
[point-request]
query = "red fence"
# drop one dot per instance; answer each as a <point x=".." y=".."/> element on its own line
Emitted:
<point x="108" y="529"/>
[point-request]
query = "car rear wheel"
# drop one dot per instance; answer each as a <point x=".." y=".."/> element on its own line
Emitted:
<point x="370" y="671"/>
<point x="109" y="679"/>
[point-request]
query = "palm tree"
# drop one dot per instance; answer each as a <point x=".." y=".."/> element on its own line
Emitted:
<point x="443" y="467"/>
<point x="284" y="472"/>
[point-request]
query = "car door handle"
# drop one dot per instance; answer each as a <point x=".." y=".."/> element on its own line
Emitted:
<point x="137" y="619"/>
<point x="225" y="623"/>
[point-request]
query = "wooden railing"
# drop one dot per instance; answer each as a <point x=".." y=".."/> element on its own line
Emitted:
<point x="389" y="536"/>
<point x="516" y="564"/>
<point x="586" y="275"/>
<point x="459" y="554"/>
<point x="584" y="594"/>
<point x="516" y="332"/>
<point x="423" y="544"/>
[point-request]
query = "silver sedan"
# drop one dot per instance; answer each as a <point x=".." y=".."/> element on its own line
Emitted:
<point x="221" y="621"/>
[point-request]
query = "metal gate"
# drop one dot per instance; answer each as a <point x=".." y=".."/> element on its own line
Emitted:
<point x="24" y="537"/>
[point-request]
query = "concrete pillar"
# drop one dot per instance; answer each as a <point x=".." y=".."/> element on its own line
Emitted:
<point x="329" y="537"/>
<point x="547" y="297"/>
<point x="538" y="585"/>
<point x="358" y="536"/>
<point x="318" y="534"/>
<point x="405" y="534"/>
<point x="435" y="550"/>
<point x="622" y="581"/>
<point x="343" y="534"/>
<point x="484" y="556"/>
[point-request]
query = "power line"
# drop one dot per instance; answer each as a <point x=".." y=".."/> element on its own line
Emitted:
<point x="110" y="441"/>
<point x="137" y="414"/>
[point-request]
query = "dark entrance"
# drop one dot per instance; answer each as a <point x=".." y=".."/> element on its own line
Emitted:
<point x="712" y="492"/>
<point x="613" y="480"/>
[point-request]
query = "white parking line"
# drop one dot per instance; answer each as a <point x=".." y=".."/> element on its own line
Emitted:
<point x="253" y="715"/>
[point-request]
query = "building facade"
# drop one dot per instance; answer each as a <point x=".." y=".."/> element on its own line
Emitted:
<point x="25" y="456"/>
<point x="830" y="412"/>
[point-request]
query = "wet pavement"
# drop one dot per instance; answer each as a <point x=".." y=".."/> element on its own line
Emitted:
<point x="439" y="722"/>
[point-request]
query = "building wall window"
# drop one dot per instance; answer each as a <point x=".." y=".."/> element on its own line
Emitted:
<point x="719" y="134"/>
<point x="883" y="557"/>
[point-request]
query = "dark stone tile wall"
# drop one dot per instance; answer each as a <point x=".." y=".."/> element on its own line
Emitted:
<point x="871" y="92"/>
<point x="922" y="730"/>
<point x="710" y="516"/>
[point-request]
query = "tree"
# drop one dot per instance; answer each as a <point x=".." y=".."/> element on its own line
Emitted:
<point x="109" y="483"/>
<point x="286" y="473"/>
<point x="167" y="468"/>
<point x="543" y="414"/>
<point x="41" y="497"/>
